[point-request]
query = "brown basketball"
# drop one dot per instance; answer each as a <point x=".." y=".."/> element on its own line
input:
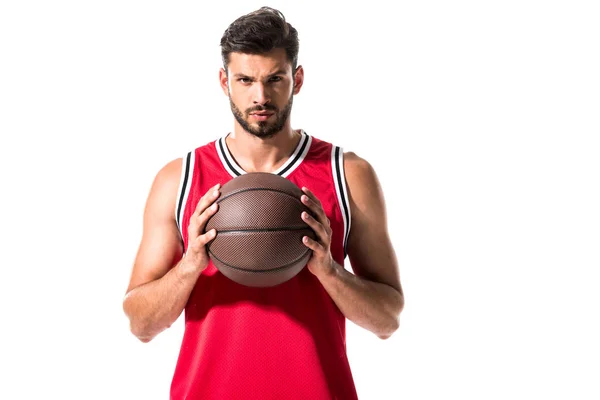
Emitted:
<point x="259" y="230"/>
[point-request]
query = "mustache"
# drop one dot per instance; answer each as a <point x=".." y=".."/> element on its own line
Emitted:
<point x="267" y="107"/>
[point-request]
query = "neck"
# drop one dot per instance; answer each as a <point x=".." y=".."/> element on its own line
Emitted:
<point x="256" y="154"/>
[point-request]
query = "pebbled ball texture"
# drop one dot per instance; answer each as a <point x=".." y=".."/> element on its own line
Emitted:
<point x="259" y="230"/>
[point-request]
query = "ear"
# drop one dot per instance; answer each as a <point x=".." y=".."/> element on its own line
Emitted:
<point x="224" y="81"/>
<point x="298" y="79"/>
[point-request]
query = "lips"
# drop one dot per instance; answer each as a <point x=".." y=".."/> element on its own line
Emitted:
<point x="261" y="116"/>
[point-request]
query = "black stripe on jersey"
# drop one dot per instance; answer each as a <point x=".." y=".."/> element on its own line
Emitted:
<point x="183" y="187"/>
<point x="300" y="152"/>
<point x="341" y="183"/>
<point x="231" y="167"/>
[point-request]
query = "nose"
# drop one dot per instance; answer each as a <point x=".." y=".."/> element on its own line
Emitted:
<point x="261" y="96"/>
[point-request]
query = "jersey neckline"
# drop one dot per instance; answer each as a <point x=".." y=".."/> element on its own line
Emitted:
<point x="290" y="165"/>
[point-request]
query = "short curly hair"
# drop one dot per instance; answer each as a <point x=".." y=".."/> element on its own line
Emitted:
<point x="260" y="32"/>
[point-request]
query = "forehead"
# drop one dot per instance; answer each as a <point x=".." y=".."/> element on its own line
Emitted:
<point x="259" y="64"/>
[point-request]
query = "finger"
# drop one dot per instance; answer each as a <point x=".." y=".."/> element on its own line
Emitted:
<point x="312" y="244"/>
<point x="198" y="222"/>
<point x="198" y="244"/>
<point x="202" y="240"/>
<point x="316" y="208"/>
<point x="322" y="232"/>
<point x="311" y="195"/>
<point x="205" y="202"/>
<point x="209" y="197"/>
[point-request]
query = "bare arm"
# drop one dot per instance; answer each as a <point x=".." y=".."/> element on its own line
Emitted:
<point x="161" y="280"/>
<point x="372" y="297"/>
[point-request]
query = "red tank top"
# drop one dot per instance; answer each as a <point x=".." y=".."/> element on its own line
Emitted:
<point x="283" y="342"/>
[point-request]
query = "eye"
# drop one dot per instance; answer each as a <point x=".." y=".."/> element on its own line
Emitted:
<point x="244" y="80"/>
<point x="275" y="79"/>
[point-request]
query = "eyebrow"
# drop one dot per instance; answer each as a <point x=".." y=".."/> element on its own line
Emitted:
<point x="278" y="72"/>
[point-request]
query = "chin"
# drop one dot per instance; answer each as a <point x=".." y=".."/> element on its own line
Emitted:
<point x="261" y="130"/>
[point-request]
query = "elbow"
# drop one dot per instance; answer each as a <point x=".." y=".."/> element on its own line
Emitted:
<point x="390" y="331"/>
<point x="394" y="323"/>
<point x="140" y="330"/>
<point x="144" y="339"/>
<point x="141" y="333"/>
<point x="137" y="327"/>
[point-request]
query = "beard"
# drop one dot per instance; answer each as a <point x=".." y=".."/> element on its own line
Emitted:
<point x="263" y="129"/>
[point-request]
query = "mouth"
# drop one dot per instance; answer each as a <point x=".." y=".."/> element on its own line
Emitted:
<point x="261" y="116"/>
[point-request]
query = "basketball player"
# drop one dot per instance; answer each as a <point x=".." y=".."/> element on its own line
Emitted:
<point x="286" y="341"/>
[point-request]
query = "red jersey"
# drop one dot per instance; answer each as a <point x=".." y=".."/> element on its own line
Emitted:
<point x="283" y="342"/>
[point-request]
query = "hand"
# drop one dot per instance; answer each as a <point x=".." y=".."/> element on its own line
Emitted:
<point x="321" y="262"/>
<point x="196" y="256"/>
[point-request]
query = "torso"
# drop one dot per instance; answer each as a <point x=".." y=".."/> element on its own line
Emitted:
<point x="286" y="341"/>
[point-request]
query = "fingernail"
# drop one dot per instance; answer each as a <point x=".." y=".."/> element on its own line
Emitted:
<point x="213" y="207"/>
<point x="216" y="193"/>
<point x="304" y="215"/>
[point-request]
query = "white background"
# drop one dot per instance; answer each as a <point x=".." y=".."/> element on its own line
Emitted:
<point x="480" y="118"/>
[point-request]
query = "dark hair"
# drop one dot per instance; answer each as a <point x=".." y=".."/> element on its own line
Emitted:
<point x="260" y="32"/>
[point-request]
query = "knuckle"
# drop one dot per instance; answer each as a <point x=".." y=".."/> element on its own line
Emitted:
<point x="204" y="200"/>
<point x="206" y="239"/>
<point x="201" y="242"/>
<point x="205" y="215"/>
<point x="202" y="239"/>
<point x="198" y="245"/>
<point x="192" y="249"/>
<point x="191" y="226"/>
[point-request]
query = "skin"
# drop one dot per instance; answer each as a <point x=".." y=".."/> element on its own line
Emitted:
<point x="261" y="82"/>
<point x="162" y="278"/>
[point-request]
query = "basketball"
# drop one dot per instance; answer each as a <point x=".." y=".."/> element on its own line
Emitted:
<point x="259" y="230"/>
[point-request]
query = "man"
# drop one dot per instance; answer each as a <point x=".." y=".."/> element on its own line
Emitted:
<point x="286" y="341"/>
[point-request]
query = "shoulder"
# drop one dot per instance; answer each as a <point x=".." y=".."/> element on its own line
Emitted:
<point x="354" y="161"/>
<point x="170" y="172"/>
<point x="359" y="172"/>
<point x="364" y="189"/>
<point x="163" y="192"/>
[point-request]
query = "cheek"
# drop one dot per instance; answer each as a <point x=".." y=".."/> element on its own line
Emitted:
<point x="237" y="91"/>
<point x="285" y="89"/>
<point x="238" y="100"/>
<point x="282" y="94"/>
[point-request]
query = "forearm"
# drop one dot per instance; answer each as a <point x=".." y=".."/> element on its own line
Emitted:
<point x="372" y="305"/>
<point x="154" y="306"/>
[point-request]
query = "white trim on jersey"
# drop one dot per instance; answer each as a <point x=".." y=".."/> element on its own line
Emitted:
<point x="337" y="167"/>
<point x="297" y="156"/>
<point x="182" y="182"/>
<point x="187" y="172"/>
<point x="227" y="159"/>
<point x="290" y="165"/>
